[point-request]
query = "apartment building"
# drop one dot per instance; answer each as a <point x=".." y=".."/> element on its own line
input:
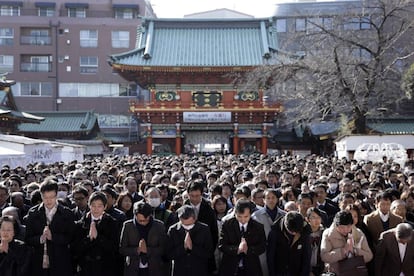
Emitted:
<point x="57" y="53"/>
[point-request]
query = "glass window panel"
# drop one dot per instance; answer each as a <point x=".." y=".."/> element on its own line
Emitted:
<point x="281" y="25"/>
<point x="46" y="11"/>
<point x="300" y="24"/>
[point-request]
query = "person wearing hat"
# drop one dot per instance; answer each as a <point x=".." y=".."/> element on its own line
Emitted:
<point x="189" y="244"/>
<point x="288" y="246"/>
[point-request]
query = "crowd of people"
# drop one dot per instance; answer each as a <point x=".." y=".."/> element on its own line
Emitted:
<point x="264" y="215"/>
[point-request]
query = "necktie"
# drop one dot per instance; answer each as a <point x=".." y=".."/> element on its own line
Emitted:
<point x="241" y="256"/>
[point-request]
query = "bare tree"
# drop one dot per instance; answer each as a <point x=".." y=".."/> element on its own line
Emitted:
<point x="408" y="82"/>
<point x="351" y="66"/>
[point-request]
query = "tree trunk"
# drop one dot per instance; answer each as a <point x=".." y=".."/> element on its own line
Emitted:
<point x="359" y="123"/>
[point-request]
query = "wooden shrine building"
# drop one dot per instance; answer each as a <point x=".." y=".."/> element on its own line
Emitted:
<point x="186" y="98"/>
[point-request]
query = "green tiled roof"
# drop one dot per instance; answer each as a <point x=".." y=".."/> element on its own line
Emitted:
<point x="62" y="122"/>
<point x="201" y="42"/>
<point x="392" y="125"/>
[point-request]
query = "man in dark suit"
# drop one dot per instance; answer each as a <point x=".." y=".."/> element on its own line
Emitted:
<point x="189" y="244"/>
<point x="381" y="219"/>
<point x="324" y="203"/>
<point x="4" y="196"/>
<point x="49" y="230"/>
<point x="395" y="252"/>
<point x="288" y="246"/>
<point x="204" y="214"/>
<point x="80" y="196"/>
<point x="242" y="241"/>
<point x="131" y="186"/>
<point x="96" y="239"/>
<point x="143" y="241"/>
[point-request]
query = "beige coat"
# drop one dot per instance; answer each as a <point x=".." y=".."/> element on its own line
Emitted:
<point x="333" y="243"/>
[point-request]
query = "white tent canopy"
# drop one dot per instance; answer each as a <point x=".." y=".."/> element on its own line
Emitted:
<point x="11" y="157"/>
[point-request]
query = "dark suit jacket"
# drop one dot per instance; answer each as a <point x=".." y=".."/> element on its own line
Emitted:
<point x="194" y="262"/>
<point x="331" y="209"/>
<point x="17" y="261"/>
<point x="387" y="257"/>
<point x="62" y="228"/>
<point x="374" y="224"/>
<point x="288" y="255"/>
<point x="230" y="238"/>
<point x="208" y="216"/>
<point x="96" y="257"/>
<point x="156" y="241"/>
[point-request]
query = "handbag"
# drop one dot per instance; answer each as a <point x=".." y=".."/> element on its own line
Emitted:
<point x="354" y="266"/>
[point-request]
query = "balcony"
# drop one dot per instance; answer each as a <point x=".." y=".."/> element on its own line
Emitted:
<point x="35" y="40"/>
<point x="35" y="67"/>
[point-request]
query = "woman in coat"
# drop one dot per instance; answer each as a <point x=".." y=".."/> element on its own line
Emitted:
<point x="338" y="242"/>
<point x="143" y="240"/>
<point x="267" y="216"/>
<point x="14" y="254"/>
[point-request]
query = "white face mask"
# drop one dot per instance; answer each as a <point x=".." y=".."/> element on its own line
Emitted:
<point x="333" y="186"/>
<point x="62" y="194"/>
<point x="154" y="202"/>
<point x="188" y="227"/>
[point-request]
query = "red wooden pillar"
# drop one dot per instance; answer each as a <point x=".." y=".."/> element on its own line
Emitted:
<point x="264" y="139"/>
<point x="178" y="140"/>
<point x="236" y="139"/>
<point x="149" y="140"/>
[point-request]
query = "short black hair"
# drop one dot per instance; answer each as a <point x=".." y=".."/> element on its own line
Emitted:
<point x="293" y="221"/>
<point x="48" y="185"/>
<point x="108" y="189"/>
<point x="98" y="196"/>
<point x="143" y="208"/>
<point x="196" y="186"/>
<point x="80" y="190"/>
<point x="243" y="204"/>
<point x="343" y="218"/>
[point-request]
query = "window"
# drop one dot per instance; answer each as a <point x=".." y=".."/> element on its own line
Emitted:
<point x="89" y="64"/>
<point x="281" y="25"/>
<point x="89" y="89"/>
<point x="89" y="38"/>
<point x="6" y="64"/>
<point x="46" y="11"/>
<point x="77" y="12"/>
<point x="36" y="37"/>
<point x="6" y="36"/>
<point x="127" y="90"/>
<point x="124" y="13"/>
<point x="361" y="54"/>
<point x="327" y="23"/>
<point x="7" y="10"/>
<point x="357" y="23"/>
<point x="35" y="89"/>
<point x="108" y="120"/>
<point x="365" y="23"/>
<point x="300" y="24"/>
<point x="35" y="64"/>
<point x="120" y="39"/>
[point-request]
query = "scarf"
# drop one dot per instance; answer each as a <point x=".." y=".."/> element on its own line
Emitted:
<point x="272" y="213"/>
